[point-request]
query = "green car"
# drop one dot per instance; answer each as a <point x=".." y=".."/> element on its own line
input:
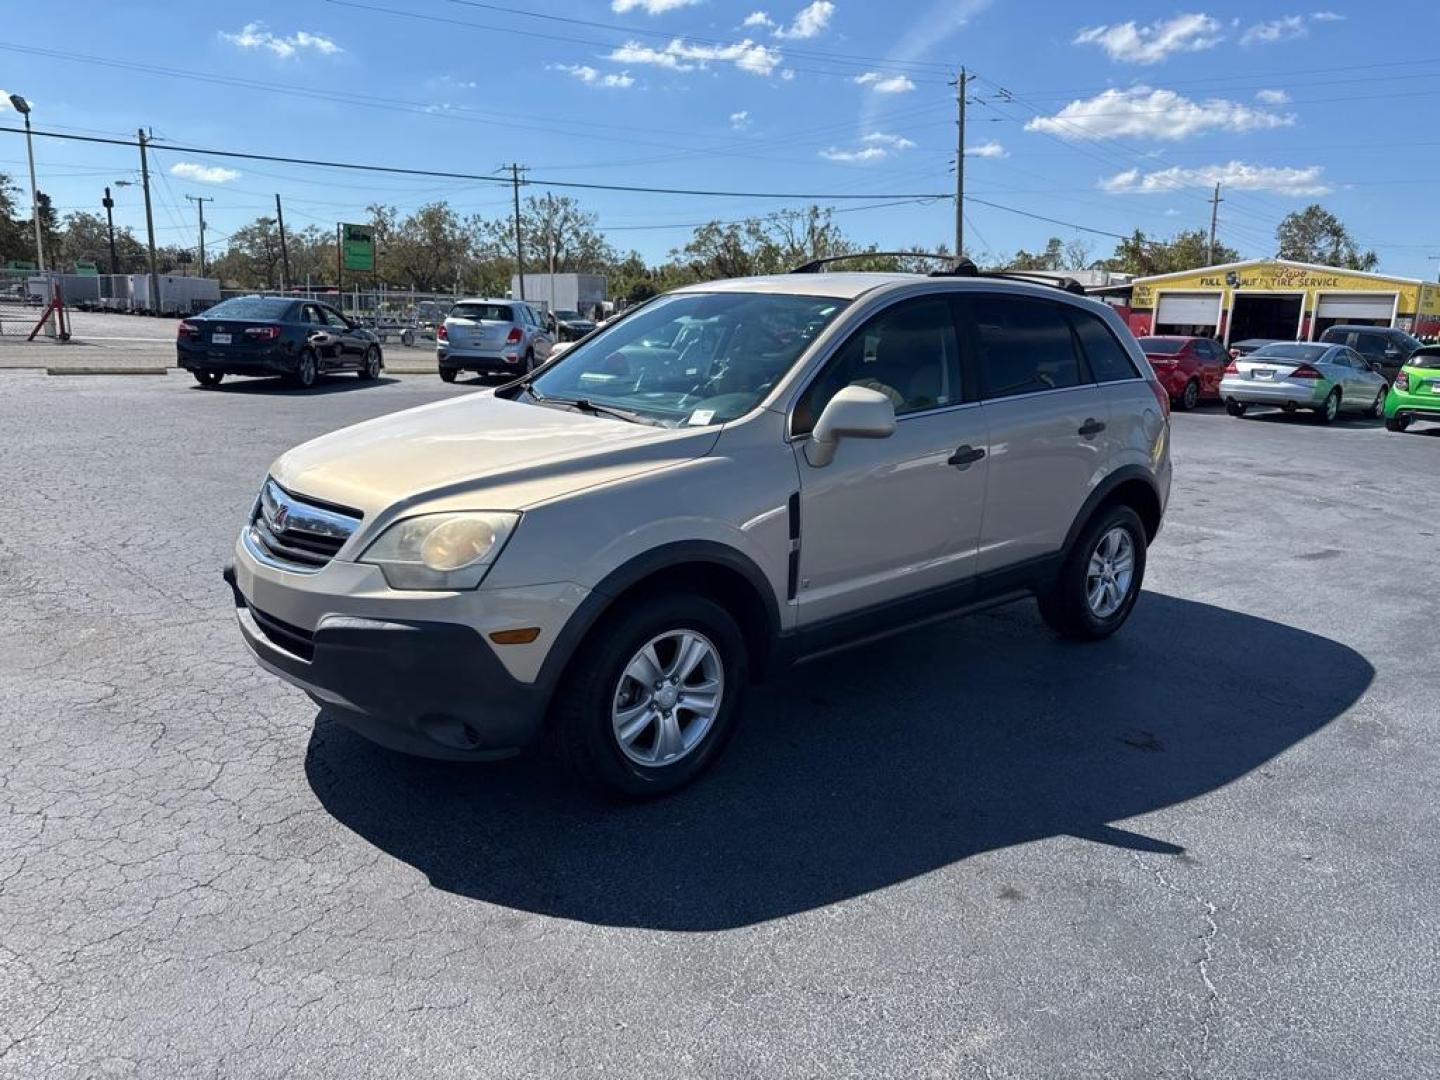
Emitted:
<point x="1415" y="394"/>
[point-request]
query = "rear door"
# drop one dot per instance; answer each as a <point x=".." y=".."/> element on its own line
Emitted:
<point x="1047" y="422"/>
<point x="1212" y="362"/>
<point x="893" y="519"/>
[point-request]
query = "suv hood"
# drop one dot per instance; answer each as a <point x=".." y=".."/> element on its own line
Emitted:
<point x="516" y="454"/>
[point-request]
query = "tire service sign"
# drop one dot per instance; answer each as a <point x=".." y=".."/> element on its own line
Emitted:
<point x="358" y="245"/>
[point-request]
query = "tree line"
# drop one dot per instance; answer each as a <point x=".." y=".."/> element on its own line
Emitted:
<point x="435" y="248"/>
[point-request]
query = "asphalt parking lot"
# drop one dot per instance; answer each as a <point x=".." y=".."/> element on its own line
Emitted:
<point x="1203" y="848"/>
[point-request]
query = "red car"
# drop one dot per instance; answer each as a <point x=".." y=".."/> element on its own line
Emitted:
<point x="1189" y="368"/>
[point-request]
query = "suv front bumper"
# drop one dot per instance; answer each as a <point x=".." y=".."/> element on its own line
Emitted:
<point x="430" y="688"/>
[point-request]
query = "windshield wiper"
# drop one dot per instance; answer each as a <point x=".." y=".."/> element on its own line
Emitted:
<point x="585" y="405"/>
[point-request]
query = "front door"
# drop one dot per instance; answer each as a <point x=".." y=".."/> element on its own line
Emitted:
<point x="893" y="519"/>
<point x="1047" y="421"/>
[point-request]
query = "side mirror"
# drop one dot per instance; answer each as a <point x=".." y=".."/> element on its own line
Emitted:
<point x="856" y="412"/>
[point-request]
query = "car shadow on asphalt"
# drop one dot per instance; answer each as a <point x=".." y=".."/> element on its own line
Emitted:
<point x="867" y="769"/>
<point x="337" y="383"/>
<point x="1307" y="419"/>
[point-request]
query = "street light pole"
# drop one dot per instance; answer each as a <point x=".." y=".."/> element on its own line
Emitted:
<point x="23" y="108"/>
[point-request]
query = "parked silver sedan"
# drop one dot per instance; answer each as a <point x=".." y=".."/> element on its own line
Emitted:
<point x="1290" y="375"/>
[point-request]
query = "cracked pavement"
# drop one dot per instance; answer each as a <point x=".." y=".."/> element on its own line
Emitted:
<point x="1203" y="849"/>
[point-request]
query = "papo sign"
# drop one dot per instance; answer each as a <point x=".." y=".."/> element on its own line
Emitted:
<point x="358" y="245"/>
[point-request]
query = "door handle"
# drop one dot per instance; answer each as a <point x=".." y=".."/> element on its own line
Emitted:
<point x="1091" y="428"/>
<point x="964" y="457"/>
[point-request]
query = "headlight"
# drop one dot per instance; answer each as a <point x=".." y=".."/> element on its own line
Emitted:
<point x="440" y="551"/>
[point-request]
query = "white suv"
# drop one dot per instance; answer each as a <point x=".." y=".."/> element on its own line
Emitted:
<point x="734" y="476"/>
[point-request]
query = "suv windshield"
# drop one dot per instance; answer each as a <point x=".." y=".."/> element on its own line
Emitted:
<point x="1290" y="352"/>
<point x="483" y="312"/>
<point x="250" y="307"/>
<point x="1164" y="346"/>
<point x="691" y="358"/>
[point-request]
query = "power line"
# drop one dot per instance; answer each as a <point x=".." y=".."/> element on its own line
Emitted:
<point x="483" y="178"/>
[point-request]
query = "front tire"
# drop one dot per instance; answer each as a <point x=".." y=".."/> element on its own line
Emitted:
<point x="1377" y="410"/>
<point x="370" y="370"/>
<point x="1100" y="580"/>
<point x="209" y="379"/>
<point x="1329" y="409"/>
<point x="1236" y="408"/>
<point x="652" y="697"/>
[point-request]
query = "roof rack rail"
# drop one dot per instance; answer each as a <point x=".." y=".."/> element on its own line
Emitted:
<point x="814" y="266"/>
<point x="966" y="268"/>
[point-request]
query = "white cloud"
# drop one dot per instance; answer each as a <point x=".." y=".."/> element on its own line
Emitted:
<point x="876" y="146"/>
<point x="1155" y="114"/>
<point x="204" y="174"/>
<point x="1327" y="16"/>
<point x="758" y="18"/>
<point x="1286" y="28"/>
<point x="1234" y="176"/>
<point x="894" y="142"/>
<point x="1272" y="97"/>
<point x="255" y="36"/>
<point x="863" y="156"/>
<point x="1135" y="44"/>
<point x="991" y="149"/>
<point x="681" y="55"/>
<point x="739" y="121"/>
<point x="810" y="21"/>
<point x="591" y="77"/>
<point x="886" y="84"/>
<point x="650" y="7"/>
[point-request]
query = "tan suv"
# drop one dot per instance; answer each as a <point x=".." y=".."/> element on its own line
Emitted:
<point x="732" y="477"/>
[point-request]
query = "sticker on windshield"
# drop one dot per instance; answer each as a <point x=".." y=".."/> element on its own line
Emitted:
<point x="701" y="417"/>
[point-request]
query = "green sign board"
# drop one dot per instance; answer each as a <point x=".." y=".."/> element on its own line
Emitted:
<point x="19" y="264"/>
<point x="87" y="269"/>
<point x="358" y="246"/>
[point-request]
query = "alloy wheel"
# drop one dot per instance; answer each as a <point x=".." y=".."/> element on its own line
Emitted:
<point x="1111" y="572"/>
<point x="668" y="698"/>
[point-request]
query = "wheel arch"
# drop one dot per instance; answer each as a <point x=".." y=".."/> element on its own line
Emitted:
<point x="720" y="573"/>
<point x="1128" y="486"/>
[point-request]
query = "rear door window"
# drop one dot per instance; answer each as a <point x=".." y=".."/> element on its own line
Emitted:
<point x="1109" y="362"/>
<point x="1025" y="346"/>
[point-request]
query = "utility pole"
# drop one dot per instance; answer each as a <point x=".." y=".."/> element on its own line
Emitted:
<point x="1436" y="259"/>
<point x="109" y="205"/>
<point x="284" y="250"/>
<point x="961" y="85"/>
<point x="515" y="171"/>
<point x="1214" y="218"/>
<point x="149" y="223"/>
<point x="200" y="201"/>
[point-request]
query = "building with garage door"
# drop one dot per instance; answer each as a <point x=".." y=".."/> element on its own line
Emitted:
<point x="1276" y="298"/>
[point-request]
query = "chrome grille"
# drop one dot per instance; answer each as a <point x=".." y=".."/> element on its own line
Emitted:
<point x="293" y="534"/>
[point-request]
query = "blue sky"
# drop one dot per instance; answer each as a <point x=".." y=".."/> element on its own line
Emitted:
<point x="1106" y="116"/>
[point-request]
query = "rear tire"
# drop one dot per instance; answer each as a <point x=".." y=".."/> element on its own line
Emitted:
<point x="529" y="361"/>
<point x="209" y="379"/>
<point x="601" y="688"/>
<point x="1101" y="578"/>
<point x="1189" y="397"/>
<point x="1330" y="409"/>
<point x="306" y="371"/>
<point x="447" y="374"/>
<point x="1236" y="408"/>
<point x="1397" y="423"/>
<point x="1378" y="409"/>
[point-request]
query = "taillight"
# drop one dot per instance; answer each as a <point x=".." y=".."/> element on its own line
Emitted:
<point x="1161" y="361"/>
<point x="262" y="333"/>
<point x="1162" y="396"/>
<point x="186" y="329"/>
<point x="1402" y="380"/>
<point x="441" y="334"/>
<point x="1305" y="371"/>
<point x="515" y="336"/>
<point x="1231" y="368"/>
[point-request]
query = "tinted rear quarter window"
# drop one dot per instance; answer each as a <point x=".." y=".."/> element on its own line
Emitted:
<point x="1025" y="346"/>
<point x="1109" y="362"/>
